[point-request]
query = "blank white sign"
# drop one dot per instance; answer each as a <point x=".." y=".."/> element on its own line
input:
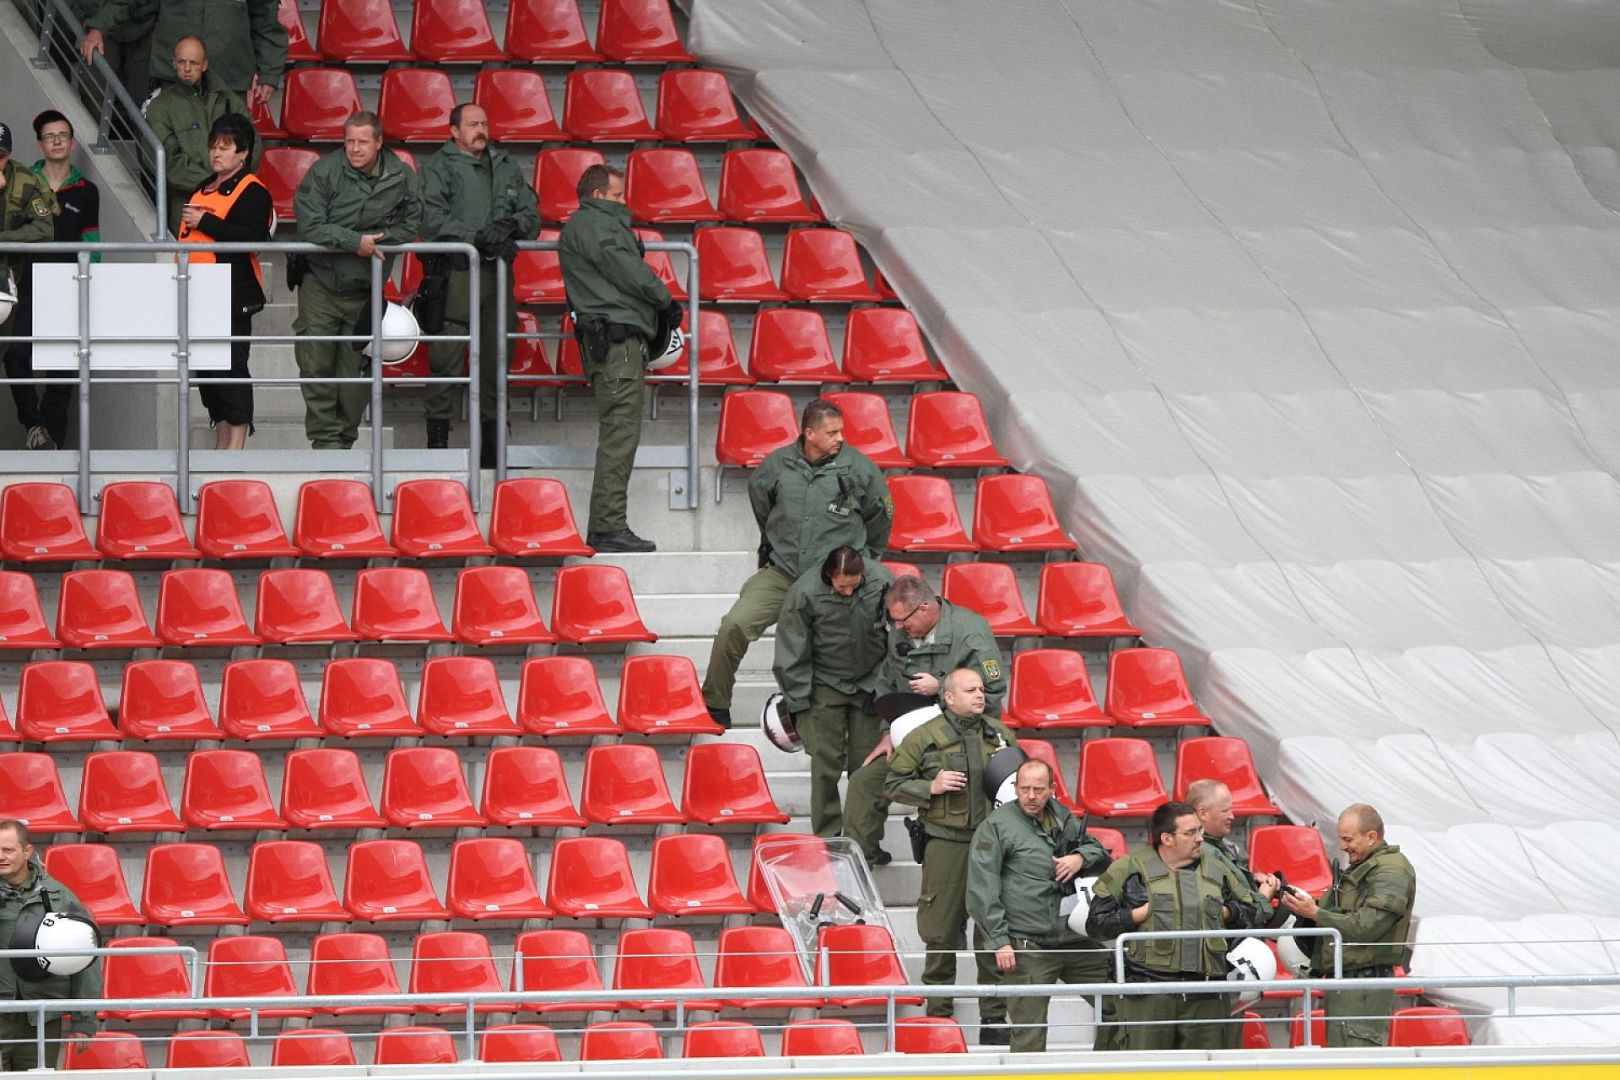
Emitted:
<point x="136" y="301"/>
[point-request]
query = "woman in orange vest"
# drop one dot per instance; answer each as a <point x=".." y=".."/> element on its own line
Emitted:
<point x="231" y="206"/>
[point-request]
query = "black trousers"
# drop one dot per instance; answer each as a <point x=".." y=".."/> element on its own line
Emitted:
<point x="230" y="403"/>
<point x="46" y="406"/>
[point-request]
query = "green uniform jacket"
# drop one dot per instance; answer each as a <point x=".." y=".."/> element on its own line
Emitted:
<point x="1011" y="890"/>
<point x="603" y="271"/>
<point x="1372" y="907"/>
<point x="1231" y="853"/>
<point x="336" y="204"/>
<point x="1214" y="885"/>
<point x="943" y="743"/>
<point x="142" y="16"/>
<point x="181" y="115"/>
<point x="27" y="216"/>
<point x="460" y="195"/>
<point x="960" y="639"/>
<point x="804" y="510"/>
<point x="41" y="893"/>
<point x="242" y="36"/>
<point x="832" y="640"/>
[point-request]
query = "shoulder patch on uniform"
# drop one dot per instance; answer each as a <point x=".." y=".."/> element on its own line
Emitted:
<point x="992" y="669"/>
<point x="40" y="207"/>
<point x="888" y="504"/>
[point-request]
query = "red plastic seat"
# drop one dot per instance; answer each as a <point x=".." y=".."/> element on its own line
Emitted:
<point x="664" y="184"/>
<point x="752" y="424"/>
<point x="1120" y="778"/>
<point x="454" y="962"/>
<point x="725" y="784"/>
<point x="1146" y="688"/>
<point x="395" y="603"/>
<point x="337" y="520"/>
<point x="101" y="609"/>
<point x="1296" y="852"/>
<point x="207" y="1050"/>
<point x="163" y="700"/>
<point x="289" y="881"/>
<point x="122" y="791"/>
<point x="1296" y="1029"/>
<point x="691" y="875"/>
<point x="537" y="275"/>
<point x="732" y="267"/>
<point x="556" y="178"/>
<point x="388" y="881"/>
<point x="1111" y="839"/>
<point x="660" y="695"/>
<point x="1428" y="1025"/>
<point x="624" y="785"/>
<point x="1254" y="1035"/>
<point x="359" y="30"/>
<point x="604" y="105"/>
<point x="423" y="788"/>
<point x="1013" y="512"/>
<point x="661" y="265"/>
<point x="186" y="885"/>
<point x="823" y="265"/>
<point x="524" y="787"/>
<point x="860" y="954"/>
<point x="991" y="589"/>
<point x="453" y="31"/>
<point x="492" y="878"/>
<point x="759" y="185"/>
<point x="93" y="874"/>
<point x="22" y="620"/>
<point x="265" y="122"/>
<point x="238" y="519"/>
<point x="558" y="962"/>
<point x="791" y="345"/>
<point x="947" y="429"/>
<point x="282" y="169"/>
<point x="530" y="361"/>
<point x="312" y="1047"/>
<point x="199" y="607"/>
<point x="532" y="516"/>
<point x="802" y="863"/>
<point x="353" y="965"/>
<point x="590" y="878"/>
<point x="722" y="1039"/>
<point x="883" y="345"/>
<point x="548" y="31"/>
<point x="60" y="701"/>
<point x="1051" y="689"/>
<point x="518" y="1042"/>
<point x="1229" y="761"/>
<point x="925" y="516"/>
<point x="697" y="106"/>
<point x="325" y="789"/>
<point x="299" y="47"/>
<point x="434" y="519"/>
<point x="461" y="695"/>
<point x="516" y="101"/>
<point x="718" y="361"/>
<point x="226" y="789"/>
<point x="559" y="695"/>
<point x="8" y="733"/>
<point x="659" y="960"/>
<point x="299" y="606"/>
<point x="253" y="966"/>
<point x="315" y="102"/>
<point x="495" y="605"/>
<point x="928" y="1035"/>
<point x="263" y="699"/>
<point x="31" y="792"/>
<point x="639" y="32"/>
<point x="868" y="428"/>
<point x="760" y="956"/>
<point x="594" y="603"/>
<point x="140" y="519"/>
<point x="40" y="523"/>
<point x="902" y="569"/>
<point x="103" y="1050"/>
<point x="620" y="1040"/>
<point x="1078" y="599"/>
<point x="146" y="975"/>
<point x="415" y="1046"/>
<point x="821" y="1038"/>
<point x="1041" y="749"/>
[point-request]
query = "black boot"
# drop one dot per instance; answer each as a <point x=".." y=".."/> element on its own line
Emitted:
<point x="622" y="540"/>
<point x="486" y="447"/>
<point x="438" y="434"/>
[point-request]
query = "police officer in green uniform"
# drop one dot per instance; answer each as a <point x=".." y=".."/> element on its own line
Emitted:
<point x="616" y="299"/>
<point x="1371" y="905"/>
<point x="28" y="212"/>
<point x="829" y="646"/>
<point x="182" y="113"/>
<point x="1169" y="886"/>
<point x="350" y="201"/>
<point x="127" y="45"/>
<point x="473" y="193"/>
<point x="809" y="497"/>
<point x="939" y="767"/>
<point x="1026" y="856"/>
<point x="26" y="889"/>
<point x="249" y="43"/>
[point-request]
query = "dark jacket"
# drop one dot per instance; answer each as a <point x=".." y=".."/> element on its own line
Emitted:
<point x="249" y="220"/>
<point x="1012" y="889"/>
<point x="181" y="117"/>
<point x="1191" y="898"/>
<point x="603" y="271"/>
<point x="461" y="194"/>
<point x="826" y="639"/>
<point x="1371" y="905"/>
<point x="804" y="510"/>
<point x="336" y="204"/>
<point x="28" y="213"/>
<point x="41" y="893"/>
<point x="243" y="36"/>
<point x="80" y="217"/>
<point x="947" y="742"/>
<point x="960" y="639"/>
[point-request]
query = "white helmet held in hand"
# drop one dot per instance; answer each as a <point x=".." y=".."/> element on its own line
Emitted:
<point x="1084" y="890"/>
<point x="48" y="931"/>
<point x="1251" y="962"/>
<point x="777" y="723"/>
<point x="400" y="334"/>
<point x="672" y="352"/>
<point x="8" y="297"/>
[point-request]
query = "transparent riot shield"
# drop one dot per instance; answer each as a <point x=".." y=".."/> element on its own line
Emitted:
<point x="818" y="882"/>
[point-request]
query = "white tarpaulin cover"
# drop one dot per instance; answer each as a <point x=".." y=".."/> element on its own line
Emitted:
<point x="1307" y="311"/>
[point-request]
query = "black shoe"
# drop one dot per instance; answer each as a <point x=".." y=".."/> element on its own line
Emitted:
<point x="486" y="447"/>
<point x="881" y="858"/>
<point x="720" y="716"/>
<point x="622" y="540"/>
<point x="438" y="434"/>
<point x="995" y="1033"/>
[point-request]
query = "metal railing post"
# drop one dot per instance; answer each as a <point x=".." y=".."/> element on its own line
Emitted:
<point x="376" y="381"/>
<point x="694" y="346"/>
<point x="47" y="17"/>
<point x="82" y="280"/>
<point x="39" y="1039"/>
<point x="194" y="963"/>
<point x="1306" y="1018"/>
<point x="475" y="427"/>
<point x="472" y="1035"/>
<point x="503" y="296"/>
<point x="182" y="368"/>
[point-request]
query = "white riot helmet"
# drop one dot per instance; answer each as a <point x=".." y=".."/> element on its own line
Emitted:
<point x="1084" y="891"/>
<point x="400" y="334"/>
<point x="905" y="712"/>
<point x="8" y="297"/>
<point x="1251" y="962"/>
<point x="48" y="931"/>
<point x="672" y="351"/>
<point x="1291" y="954"/>
<point x="1001" y="774"/>
<point x="778" y="725"/>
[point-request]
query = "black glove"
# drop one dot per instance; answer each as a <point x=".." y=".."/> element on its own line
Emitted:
<point x="1135" y="892"/>
<point x="674" y="313"/>
<point x="498" y="240"/>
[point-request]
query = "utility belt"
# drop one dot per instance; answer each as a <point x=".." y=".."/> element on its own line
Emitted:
<point x="1136" y="973"/>
<point x="596" y="335"/>
<point x="1375" y="971"/>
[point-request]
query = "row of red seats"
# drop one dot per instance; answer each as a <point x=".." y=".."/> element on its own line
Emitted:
<point x="122" y="791"/>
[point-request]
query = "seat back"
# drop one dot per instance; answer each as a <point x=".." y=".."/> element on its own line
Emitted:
<point x="752" y="424"/>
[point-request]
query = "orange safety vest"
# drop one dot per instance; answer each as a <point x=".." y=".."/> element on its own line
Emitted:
<point x="219" y="204"/>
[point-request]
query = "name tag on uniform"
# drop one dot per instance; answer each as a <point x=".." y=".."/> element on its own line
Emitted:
<point x="841" y="511"/>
